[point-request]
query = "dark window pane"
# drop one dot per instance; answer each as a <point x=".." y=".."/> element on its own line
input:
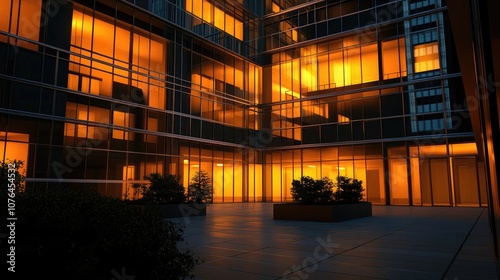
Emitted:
<point x="393" y="128"/>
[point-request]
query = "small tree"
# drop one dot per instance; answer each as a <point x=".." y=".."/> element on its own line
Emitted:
<point x="162" y="189"/>
<point x="348" y="189"/>
<point x="309" y="191"/>
<point x="200" y="189"/>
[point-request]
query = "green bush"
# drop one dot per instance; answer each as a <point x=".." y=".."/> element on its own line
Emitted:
<point x="79" y="235"/>
<point x="200" y="190"/>
<point x="349" y="189"/>
<point x="310" y="191"/>
<point x="162" y="189"/>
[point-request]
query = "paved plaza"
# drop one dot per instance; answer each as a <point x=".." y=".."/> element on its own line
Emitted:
<point x="242" y="241"/>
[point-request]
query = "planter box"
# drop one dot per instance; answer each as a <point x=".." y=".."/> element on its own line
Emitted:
<point x="177" y="210"/>
<point x="321" y="213"/>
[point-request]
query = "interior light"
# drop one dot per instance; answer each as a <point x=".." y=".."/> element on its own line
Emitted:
<point x="220" y="164"/>
<point x="186" y="161"/>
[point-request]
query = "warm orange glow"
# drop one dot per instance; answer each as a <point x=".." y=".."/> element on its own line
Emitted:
<point x="276" y="8"/>
<point x="91" y="37"/>
<point x="85" y="113"/>
<point x="14" y="148"/>
<point x="463" y="149"/>
<point x="398" y="181"/>
<point x="125" y="120"/>
<point x="127" y="190"/>
<point x="25" y="21"/>
<point x="394" y="59"/>
<point x="432" y="150"/>
<point x="426" y="57"/>
<point x="215" y="16"/>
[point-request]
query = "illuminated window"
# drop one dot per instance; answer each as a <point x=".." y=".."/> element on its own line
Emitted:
<point x="215" y="16"/>
<point x="343" y="119"/>
<point x="25" y="21"/>
<point x="152" y="126"/>
<point x="126" y="120"/>
<point x="101" y="62"/>
<point x="426" y="57"/>
<point x="14" y="146"/>
<point x="394" y="59"/>
<point x="88" y="114"/>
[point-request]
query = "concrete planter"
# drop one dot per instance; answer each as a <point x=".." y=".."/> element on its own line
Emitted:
<point x="177" y="210"/>
<point x="321" y="213"/>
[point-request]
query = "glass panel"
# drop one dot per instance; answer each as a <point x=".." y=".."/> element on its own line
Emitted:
<point x="360" y="173"/>
<point x="218" y="180"/>
<point x="393" y="59"/>
<point x="465" y="182"/>
<point x="426" y="57"/>
<point x="352" y="66"/>
<point x="374" y="184"/>
<point x="440" y="182"/>
<point x="228" y="181"/>
<point x="25" y="21"/>
<point x="287" y="177"/>
<point x="238" y="182"/>
<point x="415" y="180"/>
<point x="369" y="59"/>
<point x="398" y="181"/>
<point x="330" y="169"/>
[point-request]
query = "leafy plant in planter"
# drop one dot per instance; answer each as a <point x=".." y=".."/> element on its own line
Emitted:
<point x="349" y="190"/>
<point x="167" y="195"/>
<point x="161" y="189"/>
<point x="318" y="202"/>
<point x="310" y="191"/>
<point x="200" y="189"/>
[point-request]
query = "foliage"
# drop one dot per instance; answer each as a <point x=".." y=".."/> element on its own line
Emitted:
<point x="349" y="189"/>
<point x="200" y="190"/>
<point x="70" y="234"/>
<point x="5" y="174"/>
<point x="161" y="189"/>
<point x="309" y="191"/>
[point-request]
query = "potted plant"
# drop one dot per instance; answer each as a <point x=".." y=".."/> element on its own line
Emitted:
<point x="324" y="201"/>
<point x="168" y="195"/>
<point x="200" y="189"/>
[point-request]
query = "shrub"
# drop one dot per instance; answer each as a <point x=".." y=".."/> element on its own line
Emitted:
<point x="200" y="190"/>
<point x="309" y="191"/>
<point x="77" y="235"/>
<point x="348" y="189"/>
<point x="162" y="189"/>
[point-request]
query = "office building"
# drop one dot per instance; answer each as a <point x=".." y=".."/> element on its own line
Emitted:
<point x="97" y="94"/>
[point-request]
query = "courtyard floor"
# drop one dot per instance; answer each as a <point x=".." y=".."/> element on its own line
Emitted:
<point x="242" y="241"/>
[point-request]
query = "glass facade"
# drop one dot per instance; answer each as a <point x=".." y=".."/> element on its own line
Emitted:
<point x="98" y="94"/>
